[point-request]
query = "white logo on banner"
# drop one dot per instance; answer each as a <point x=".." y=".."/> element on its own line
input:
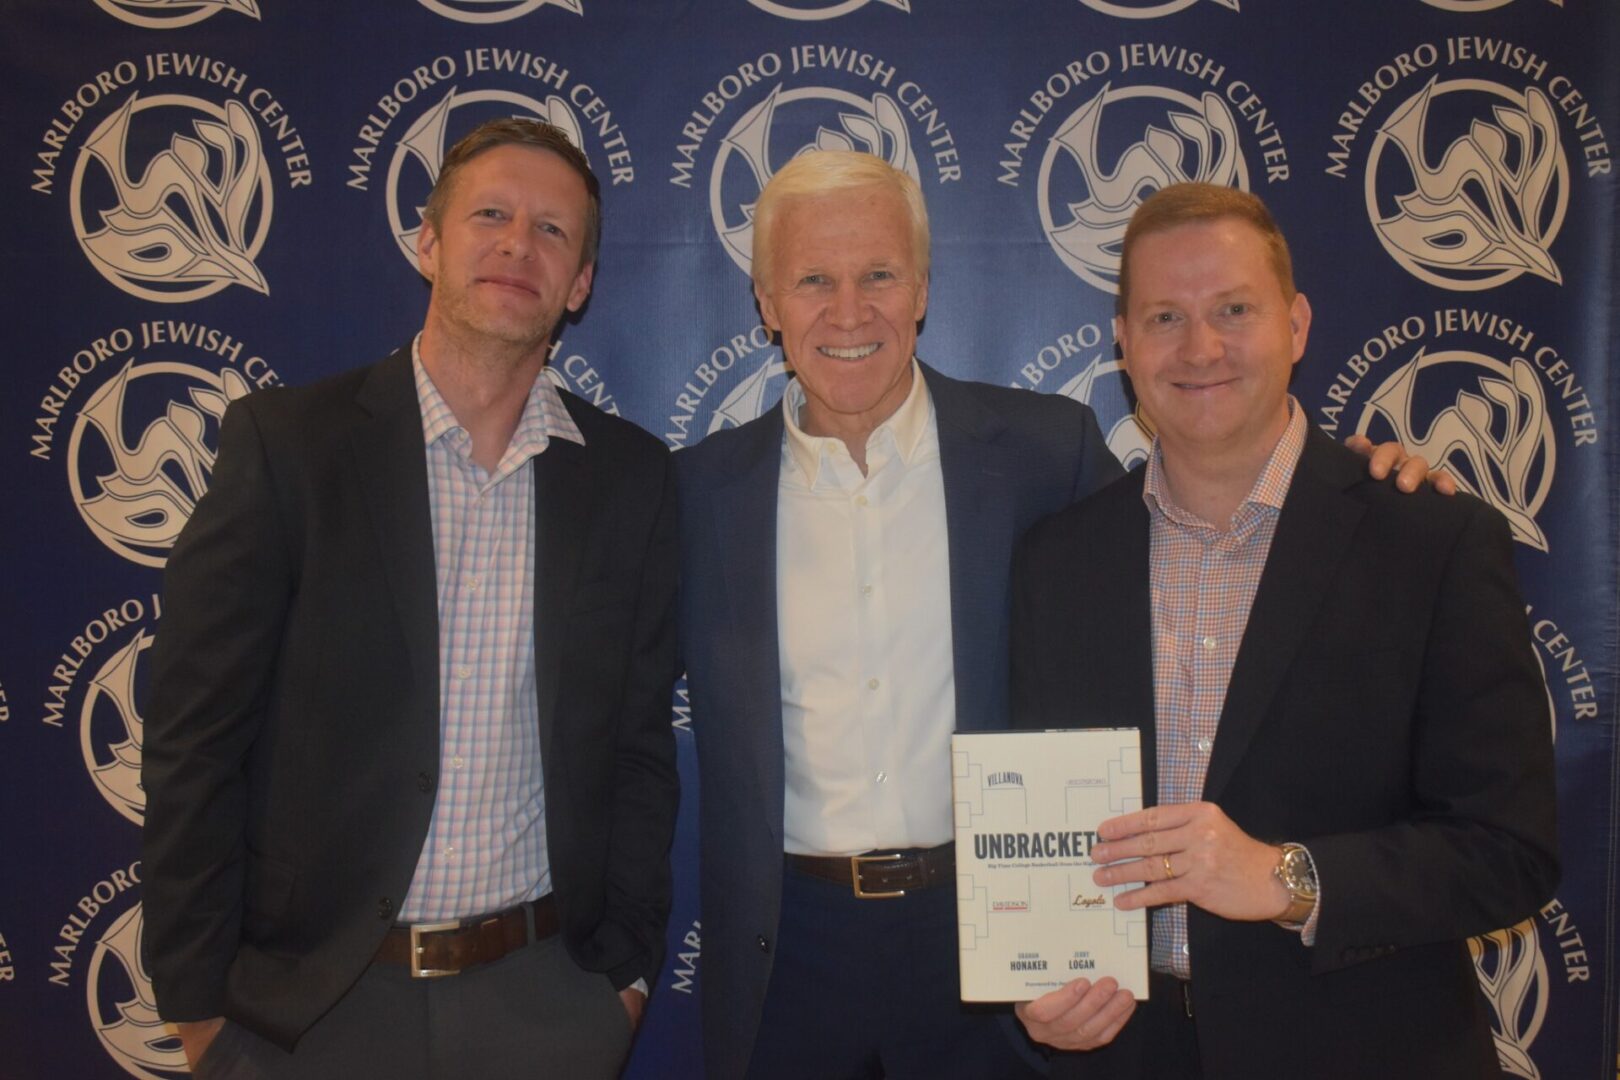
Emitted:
<point x="1149" y="9"/>
<point x="875" y="125"/>
<point x="812" y="10"/>
<point x="424" y="144"/>
<point x="737" y="383"/>
<point x="1495" y="438"/>
<point x="493" y="11"/>
<point x="136" y="494"/>
<point x="1198" y="141"/>
<point x="1130" y="435"/>
<point x="578" y="376"/>
<point x="1477" y="5"/>
<point x="1492" y="202"/>
<point x="173" y="14"/>
<point x="123" y="1009"/>
<point x="192" y="219"/>
<point x="1084" y="361"/>
<point x="114" y="760"/>
<point x="1513" y="977"/>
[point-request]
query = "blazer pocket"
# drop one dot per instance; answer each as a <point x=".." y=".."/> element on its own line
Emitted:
<point x="269" y="889"/>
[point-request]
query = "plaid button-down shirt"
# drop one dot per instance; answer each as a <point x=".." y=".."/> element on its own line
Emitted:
<point x="486" y="846"/>
<point x="1203" y="581"/>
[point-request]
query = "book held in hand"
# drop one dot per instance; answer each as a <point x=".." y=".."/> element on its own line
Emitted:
<point x="1027" y="805"/>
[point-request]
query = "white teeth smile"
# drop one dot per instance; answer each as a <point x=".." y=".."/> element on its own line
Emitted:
<point x="857" y="352"/>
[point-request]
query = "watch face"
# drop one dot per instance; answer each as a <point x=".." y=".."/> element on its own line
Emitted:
<point x="1295" y="871"/>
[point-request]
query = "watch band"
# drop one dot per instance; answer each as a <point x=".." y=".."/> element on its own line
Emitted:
<point x="1297" y="871"/>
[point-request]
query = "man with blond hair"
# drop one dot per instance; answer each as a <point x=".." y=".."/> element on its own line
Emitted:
<point x="844" y="608"/>
<point x="1346" y="753"/>
<point x="409" y="770"/>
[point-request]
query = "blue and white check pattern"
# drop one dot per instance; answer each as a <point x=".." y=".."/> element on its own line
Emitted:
<point x="1204" y="580"/>
<point x="486" y="846"/>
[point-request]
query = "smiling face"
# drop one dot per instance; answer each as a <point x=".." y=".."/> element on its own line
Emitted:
<point x="844" y="291"/>
<point x="1210" y="338"/>
<point x="505" y="258"/>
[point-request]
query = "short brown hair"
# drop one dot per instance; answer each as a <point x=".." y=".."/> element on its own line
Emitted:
<point x="513" y="131"/>
<point x="1189" y="204"/>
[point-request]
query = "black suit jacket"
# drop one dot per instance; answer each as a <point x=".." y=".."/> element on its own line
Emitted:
<point x="1385" y="710"/>
<point x="292" y="733"/>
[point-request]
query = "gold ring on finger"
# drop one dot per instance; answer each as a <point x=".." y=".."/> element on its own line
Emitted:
<point x="1169" y="871"/>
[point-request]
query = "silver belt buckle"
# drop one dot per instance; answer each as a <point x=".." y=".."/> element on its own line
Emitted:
<point x="855" y="862"/>
<point x="417" y="930"/>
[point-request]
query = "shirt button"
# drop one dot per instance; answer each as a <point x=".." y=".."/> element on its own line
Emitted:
<point x="880" y="777"/>
<point x="1204" y="745"/>
<point x="866" y="590"/>
<point x="450" y="851"/>
<point x="463" y="672"/>
<point x="1209" y="643"/>
<point x="860" y="500"/>
<point x="458" y="762"/>
<point x="872" y="684"/>
<point x="473" y="583"/>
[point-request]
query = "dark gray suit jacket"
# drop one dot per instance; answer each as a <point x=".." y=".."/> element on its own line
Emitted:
<point x="1385" y="710"/>
<point x="292" y="729"/>
<point x="1008" y="457"/>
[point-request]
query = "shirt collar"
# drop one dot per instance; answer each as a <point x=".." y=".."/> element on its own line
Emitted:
<point x="1270" y="487"/>
<point x="544" y="418"/>
<point x="906" y="428"/>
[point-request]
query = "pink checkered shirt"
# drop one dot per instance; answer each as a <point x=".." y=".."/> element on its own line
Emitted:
<point x="1203" y="583"/>
<point x="486" y="846"/>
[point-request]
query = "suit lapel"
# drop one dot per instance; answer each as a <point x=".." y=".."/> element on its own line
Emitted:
<point x="742" y="519"/>
<point x="1314" y="532"/>
<point x="980" y="478"/>
<point x="562" y="519"/>
<point x="391" y="459"/>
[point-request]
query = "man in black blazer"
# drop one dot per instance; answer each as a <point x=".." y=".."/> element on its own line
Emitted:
<point x="1346" y="754"/>
<point x="409" y="769"/>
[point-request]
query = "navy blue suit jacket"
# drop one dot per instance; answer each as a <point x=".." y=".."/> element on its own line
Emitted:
<point x="1385" y="710"/>
<point x="1009" y="458"/>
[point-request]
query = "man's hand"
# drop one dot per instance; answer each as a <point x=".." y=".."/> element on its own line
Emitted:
<point x="1079" y="1016"/>
<point x="195" y="1038"/>
<point x="1412" y="470"/>
<point x="635" y="1003"/>
<point x="1191" y="852"/>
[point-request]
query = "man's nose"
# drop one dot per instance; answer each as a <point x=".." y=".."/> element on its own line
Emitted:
<point x="1205" y="343"/>
<point x="516" y="239"/>
<point x="848" y="308"/>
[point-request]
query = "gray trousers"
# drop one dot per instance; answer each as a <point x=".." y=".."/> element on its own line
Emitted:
<point x="531" y="1014"/>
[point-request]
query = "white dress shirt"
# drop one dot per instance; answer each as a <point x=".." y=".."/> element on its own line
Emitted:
<point x="864" y="622"/>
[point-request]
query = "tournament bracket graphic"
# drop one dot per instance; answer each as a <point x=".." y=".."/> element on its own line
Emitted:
<point x="428" y="109"/>
<point x="1110" y="127"/>
<point x="1470" y="150"/>
<point x="993" y="805"/>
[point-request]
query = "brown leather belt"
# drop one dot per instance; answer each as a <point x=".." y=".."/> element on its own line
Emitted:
<point x="449" y="948"/>
<point x="883" y="875"/>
